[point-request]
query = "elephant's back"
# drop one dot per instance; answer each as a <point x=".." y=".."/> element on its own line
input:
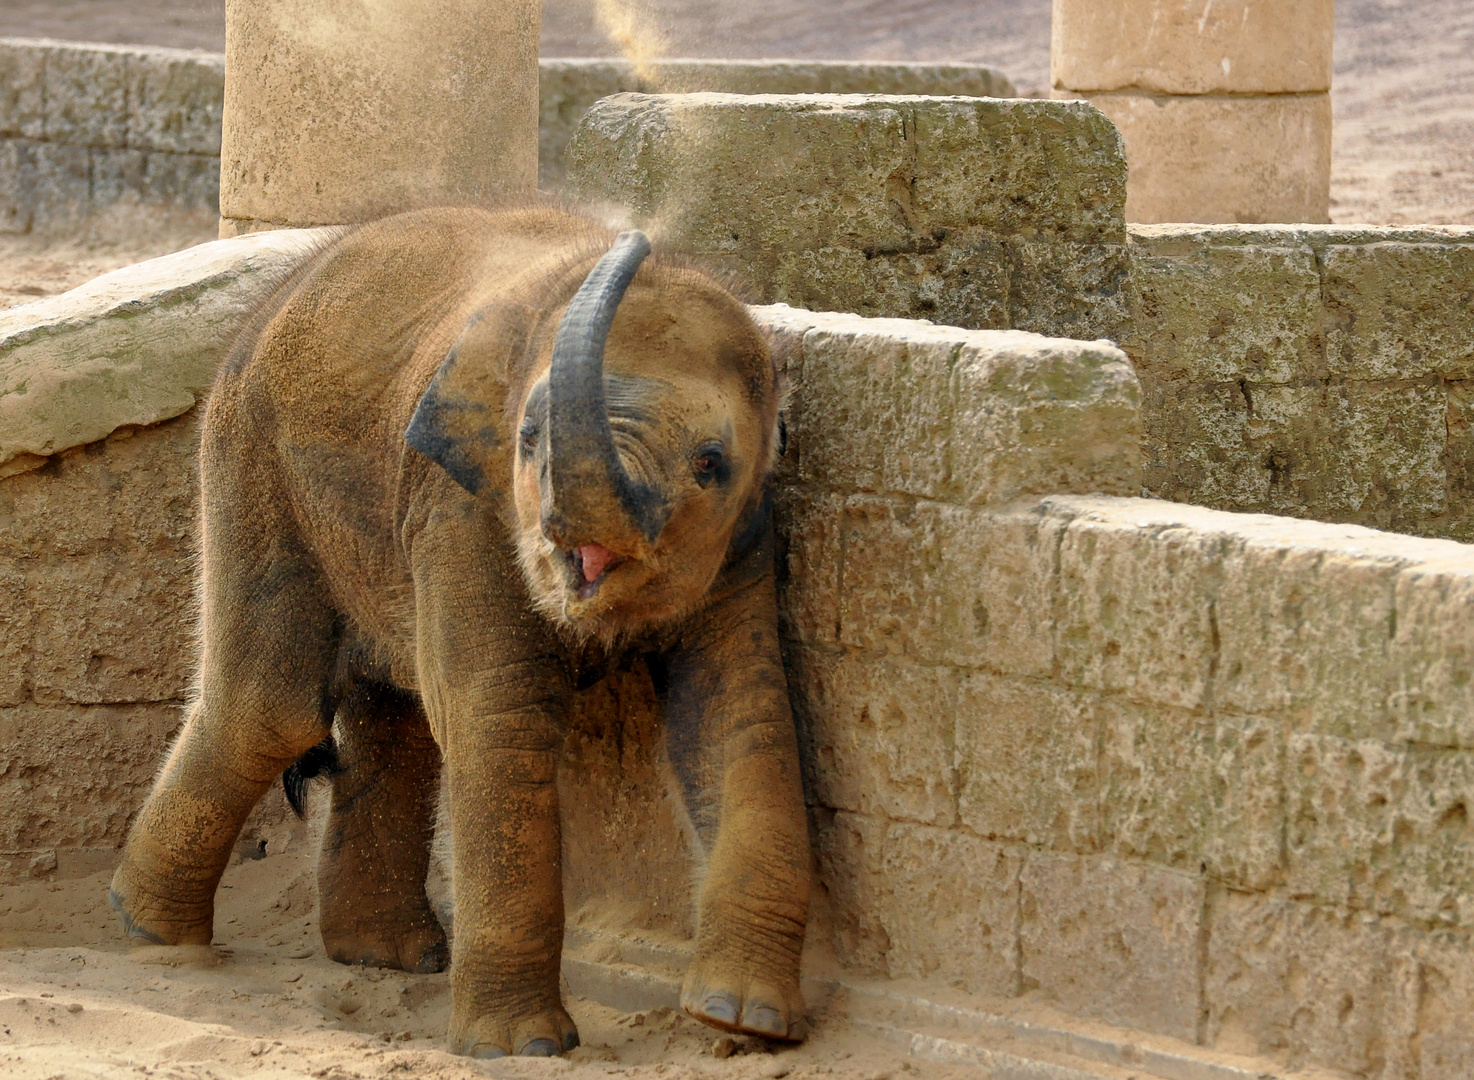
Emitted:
<point x="344" y="348"/>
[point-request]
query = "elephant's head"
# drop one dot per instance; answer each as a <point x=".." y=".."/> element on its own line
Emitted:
<point x="645" y="429"/>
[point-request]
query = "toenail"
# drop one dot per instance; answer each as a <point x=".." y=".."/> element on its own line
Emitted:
<point x="538" y="1048"/>
<point x="764" y="1019"/>
<point x="131" y="930"/>
<point x="720" y="1007"/>
<point x="486" y="1051"/>
<point x="570" y="1041"/>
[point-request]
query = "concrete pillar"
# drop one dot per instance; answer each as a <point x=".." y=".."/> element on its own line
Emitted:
<point x="1224" y="104"/>
<point x="344" y="110"/>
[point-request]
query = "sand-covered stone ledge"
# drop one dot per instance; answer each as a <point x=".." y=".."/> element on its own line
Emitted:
<point x="134" y="347"/>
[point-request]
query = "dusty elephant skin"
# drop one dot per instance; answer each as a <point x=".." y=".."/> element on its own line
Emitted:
<point x="439" y="490"/>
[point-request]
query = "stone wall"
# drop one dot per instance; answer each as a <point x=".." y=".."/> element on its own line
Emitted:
<point x="86" y="127"/>
<point x="96" y="617"/>
<point x="570" y="87"/>
<point x="1197" y="773"/>
<point x="1312" y="371"/>
<point x="1321" y="372"/>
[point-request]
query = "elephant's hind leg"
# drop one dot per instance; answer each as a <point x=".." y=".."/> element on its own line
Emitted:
<point x="270" y="637"/>
<point x="376" y="850"/>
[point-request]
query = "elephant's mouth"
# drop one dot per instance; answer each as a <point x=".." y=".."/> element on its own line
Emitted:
<point x="591" y="564"/>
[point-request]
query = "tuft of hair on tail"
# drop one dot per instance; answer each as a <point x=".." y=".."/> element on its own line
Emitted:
<point x="319" y="762"/>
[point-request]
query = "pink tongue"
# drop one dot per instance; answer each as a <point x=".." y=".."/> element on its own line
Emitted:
<point x="595" y="557"/>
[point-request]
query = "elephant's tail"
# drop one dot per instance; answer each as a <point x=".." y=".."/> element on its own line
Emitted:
<point x="321" y="760"/>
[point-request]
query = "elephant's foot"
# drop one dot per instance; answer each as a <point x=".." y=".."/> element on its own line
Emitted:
<point x="148" y="916"/>
<point x="545" y="1034"/>
<point x="733" y="990"/>
<point x="415" y="944"/>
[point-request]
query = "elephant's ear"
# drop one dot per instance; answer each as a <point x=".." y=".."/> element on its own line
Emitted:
<point x="457" y="423"/>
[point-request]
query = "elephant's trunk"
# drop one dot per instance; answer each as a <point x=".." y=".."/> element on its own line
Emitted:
<point x="592" y="497"/>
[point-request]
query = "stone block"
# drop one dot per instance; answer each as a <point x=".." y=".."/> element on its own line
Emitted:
<point x="42" y="185"/>
<point x="15" y="634"/>
<point x="22" y="89"/>
<point x="1389" y="442"/>
<point x="86" y="96"/>
<point x="1068" y="290"/>
<point x="966" y="283"/>
<point x="1232" y="446"/>
<point x="823" y="77"/>
<point x="1458" y="464"/>
<point x="850" y="849"/>
<point x="176" y="101"/>
<point x="1382" y="829"/>
<point x="879" y="406"/>
<point x="1444" y="1043"/>
<point x="47" y="801"/>
<point x="1244" y="841"/>
<point x="879" y="737"/>
<point x="1224" y="159"/>
<point x="1373" y="453"/>
<point x="133" y="494"/>
<point x="566" y="89"/>
<point x="570" y="86"/>
<point x="1305" y="619"/>
<point x="117" y="173"/>
<point x="968" y="416"/>
<point x="357" y="113"/>
<point x="879" y="204"/>
<point x="1311" y="984"/>
<point x="1218" y="314"/>
<point x="182" y="182"/>
<point x="77" y="366"/>
<point x="1027" y="763"/>
<point x="112" y="627"/>
<point x="950" y="909"/>
<point x="1156" y="782"/>
<point x="1400" y="311"/>
<point x="1431" y="654"/>
<point x="1135" y="612"/>
<point x="892" y="598"/>
<point x="1113" y="941"/>
<point x="1179" y="47"/>
<point x="924" y="581"/>
<point x="1287" y="617"/>
<point x="810" y="542"/>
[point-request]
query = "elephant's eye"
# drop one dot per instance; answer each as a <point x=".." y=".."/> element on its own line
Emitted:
<point x="527" y="436"/>
<point x="710" y="466"/>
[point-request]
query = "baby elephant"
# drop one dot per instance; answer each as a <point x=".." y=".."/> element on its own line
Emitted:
<point x="464" y="455"/>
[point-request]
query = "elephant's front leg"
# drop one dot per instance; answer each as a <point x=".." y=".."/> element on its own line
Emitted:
<point x="508" y="885"/>
<point x="731" y="737"/>
<point x="495" y="690"/>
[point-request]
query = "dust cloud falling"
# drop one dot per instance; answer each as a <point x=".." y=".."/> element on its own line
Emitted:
<point x="634" y="30"/>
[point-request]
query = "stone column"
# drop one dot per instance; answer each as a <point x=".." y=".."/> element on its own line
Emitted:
<point x="345" y="110"/>
<point x="1224" y="104"/>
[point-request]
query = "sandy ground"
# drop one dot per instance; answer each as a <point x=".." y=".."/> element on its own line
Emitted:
<point x="1404" y="94"/>
<point x="32" y="267"/>
<point x="75" y="1002"/>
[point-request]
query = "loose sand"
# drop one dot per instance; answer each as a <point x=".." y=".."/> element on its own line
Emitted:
<point x="76" y="1002"/>
<point x="35" y="266"/>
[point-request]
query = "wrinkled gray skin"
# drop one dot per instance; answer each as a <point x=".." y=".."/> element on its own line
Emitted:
<point x="432" y="491"/>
